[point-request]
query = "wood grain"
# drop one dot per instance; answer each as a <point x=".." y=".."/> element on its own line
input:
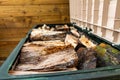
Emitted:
<point x="32" y="2"/>
<point x="34" y="10"/>
<point x="17" y="17"/>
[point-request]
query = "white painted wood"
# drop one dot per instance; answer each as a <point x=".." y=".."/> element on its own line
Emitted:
<point x="100" y="14"/>
<point x="111" y="13"/>
<point x="109" y="35"/>
<point x="103" y="16"/>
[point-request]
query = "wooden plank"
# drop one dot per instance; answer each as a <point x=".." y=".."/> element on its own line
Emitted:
<point x="32" y="2"/>
<point x="89" y="13"/>
<point x="118" y="39"/>
<point x="117" y="16"/>
<point x="89" y="10"/>
<point x="109" y="35"/>
<point x="2" y="59"/>
<point x="111" y="13"/>
<point x="103" y="30"/>
<point x="15" y="22"/>
<point x="49" y="19"/>
<point x="80" y="9"/>
<point x="71" y="8"/>
<point x="96" y="11"/>
<point x="100" y="12"/>
<point x="12" y="29"/>
<point x="92" y="10"/>
<point x="95" y="28"/>
<point x="87" y="4"/>
<point x="8" y="43"/>
<point x="115" y="35"/>
<point x="29" y="22"/>
<point x="35" y="10"/>
<point x="110" y="23"/>
<point x="5" y="37"/>
<point x="117" y="24"/>
<point x="13" y="33"/>
<point x="84" y="10"/>
<point x="8" y="39"/>
<point x="105" y="16"/>
<point x="81" y="12"/>
<point x="105" y="12"/>
<point x="94" y="17"/>
<point x="77" y="9"/>
<point x="6" y="47"/>
<point x="5" y="53"/>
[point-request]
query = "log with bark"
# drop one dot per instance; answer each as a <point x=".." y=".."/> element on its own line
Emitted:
<point x="87" y="58"/>
<point x="47" y="56"/>
<point x="45" y="35"/>
<point x="49" y="33"/>
<point x="87" y="42"/>
<point x="62" y="28"/>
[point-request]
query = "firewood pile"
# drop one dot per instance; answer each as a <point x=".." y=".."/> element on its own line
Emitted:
<point x="62" y="48"/>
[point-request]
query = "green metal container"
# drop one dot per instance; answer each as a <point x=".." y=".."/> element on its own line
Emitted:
<point x="104" y="73"/>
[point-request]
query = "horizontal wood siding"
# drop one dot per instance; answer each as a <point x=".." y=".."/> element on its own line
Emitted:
<point x="17" y="17"/>
<point x="32" y="2"/>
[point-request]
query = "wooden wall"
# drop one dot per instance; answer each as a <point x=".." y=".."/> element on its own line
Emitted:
<point x="103" y="16"/>
<point x="18" y="16"/>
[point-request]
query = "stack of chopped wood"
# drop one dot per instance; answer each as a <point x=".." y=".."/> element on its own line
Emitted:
<point x="47" y="56"/>
<point x="60" y="48"/>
